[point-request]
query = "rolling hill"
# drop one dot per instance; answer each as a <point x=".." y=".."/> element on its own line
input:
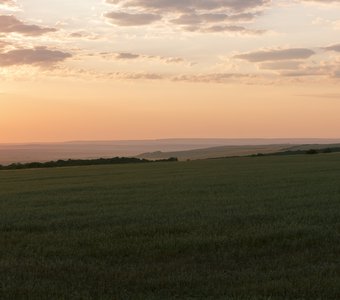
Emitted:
<point x="230" y="151"/>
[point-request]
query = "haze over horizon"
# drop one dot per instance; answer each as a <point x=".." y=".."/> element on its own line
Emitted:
<point x="183" y="141"/>
<point x="137" y="70"/>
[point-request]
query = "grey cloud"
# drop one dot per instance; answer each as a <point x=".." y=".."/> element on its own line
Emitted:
<point x="212" y="77"/>
<point x="39" y="56"/>
<point x="223" y="29"/>
<point x="192" y="5"/>
<point x="203" y="78"/>
<point x="335" y="48"/>
<point x="192" y="15"/>
<point x="324" y="70"/>
<point x="301" y="73"/>
<point x="84" y="35"/>
<point x="10" y="24"/>
<point x="133" y="56"/>
<point x="235" y="29"/>
<point x="149" y="76"/>
<point x="276" y="55"/>
<point x="125" y="55"/>
<point x="190" y="19"/>
<point x="136" y="76"/>
<point x="127" y="19"/>
<point x="322" y="1"/>
<point x="170" y="60"/>
<point x="281" y="65"/>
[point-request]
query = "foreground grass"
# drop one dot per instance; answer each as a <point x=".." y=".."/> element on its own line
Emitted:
<point x="243" y="228"/>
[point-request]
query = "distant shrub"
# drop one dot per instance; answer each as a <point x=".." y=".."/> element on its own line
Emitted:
<point x="172" y="159"/>
<point x="327" y="150"/>
<point x="260" y="154"/>
<point x="82" y="162"/>
<point x="312" y="151"/>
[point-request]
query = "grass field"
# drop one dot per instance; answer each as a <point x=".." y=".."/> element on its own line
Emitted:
<point x="240" y="228"/>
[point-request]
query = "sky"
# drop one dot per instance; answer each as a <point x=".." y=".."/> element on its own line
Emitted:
<point x="147" y="69"/>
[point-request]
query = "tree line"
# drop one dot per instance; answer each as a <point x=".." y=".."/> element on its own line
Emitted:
<point x="82" y="162"/>
<point x="298" y="152"/>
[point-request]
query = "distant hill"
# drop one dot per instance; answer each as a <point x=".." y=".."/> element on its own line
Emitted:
<point x="43" y="152"/>
<point x="215" y="152"/>
<point x="313" y="146"/>
<point x="229" y="151"/>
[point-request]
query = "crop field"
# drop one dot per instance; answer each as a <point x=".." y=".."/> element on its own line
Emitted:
<point x="237" y="228"/>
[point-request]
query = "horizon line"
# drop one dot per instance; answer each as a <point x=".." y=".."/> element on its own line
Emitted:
<point x="168" y="139"/>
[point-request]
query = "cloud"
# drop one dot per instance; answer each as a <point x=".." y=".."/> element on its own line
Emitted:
<point x="127" y="56"/>
<point x="38" y="56"/>
<point x="281" y="65"/>
<point x="82" y="34"/>
<point x="3" y="44"/>
<point x="276" y="55"/>
<point x="194" y="18"/>
<point x="134" y="56"/>
<point x="9" y="3"/>
<point x="226" y="28"/>
<point x="213" y="77"/>
<point x="335" y="48"/>
<point x="9" y="24"/>
<point x="322" y="1"/>
<point x="327" y="69"/>
<point x="190" y="15"/>
<point x="193" y="78"/>
<point x="127" y="19"/>
<point x="191" y="5"/>
<point x="136" y="76"/>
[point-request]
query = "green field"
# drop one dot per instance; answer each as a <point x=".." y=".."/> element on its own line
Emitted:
<point x="238" y="228"/>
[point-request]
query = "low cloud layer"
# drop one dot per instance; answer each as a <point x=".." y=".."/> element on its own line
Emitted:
<point x="294" y="62"/>
<point x="191" y="5"/>
<point x="133" y="56"/>
<point x="127" y="19"/>
<point x="191" y="15"/>
<point x="10" y="24"/>
<point x="281" y="65"/>
<point x="38" y="56"/>
<point x="335" y="48"/>
<point x="165" y="20"/>
<point x="276" y="55"/>
<point x="322" y="1"/>
<point x="202" y="78"/>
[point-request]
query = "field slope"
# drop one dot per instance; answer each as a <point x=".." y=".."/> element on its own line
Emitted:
<point x="216" y="152"/>
<point x="238" y="228"/>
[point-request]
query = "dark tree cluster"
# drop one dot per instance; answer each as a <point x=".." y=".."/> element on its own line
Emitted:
<point x="297" y="152"/>
<point x="82" y="162"/>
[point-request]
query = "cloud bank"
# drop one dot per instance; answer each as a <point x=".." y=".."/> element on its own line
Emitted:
<point x="276" y="55"/>
<point x="191" y="15"/>
<point x="335" y="48"/>
<point x="127" y="56"/>
<point x="10" y="24"/>
<point x="38" y="56"/>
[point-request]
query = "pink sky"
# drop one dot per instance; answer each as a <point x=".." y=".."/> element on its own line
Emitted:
<point x="96" y="70"/>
